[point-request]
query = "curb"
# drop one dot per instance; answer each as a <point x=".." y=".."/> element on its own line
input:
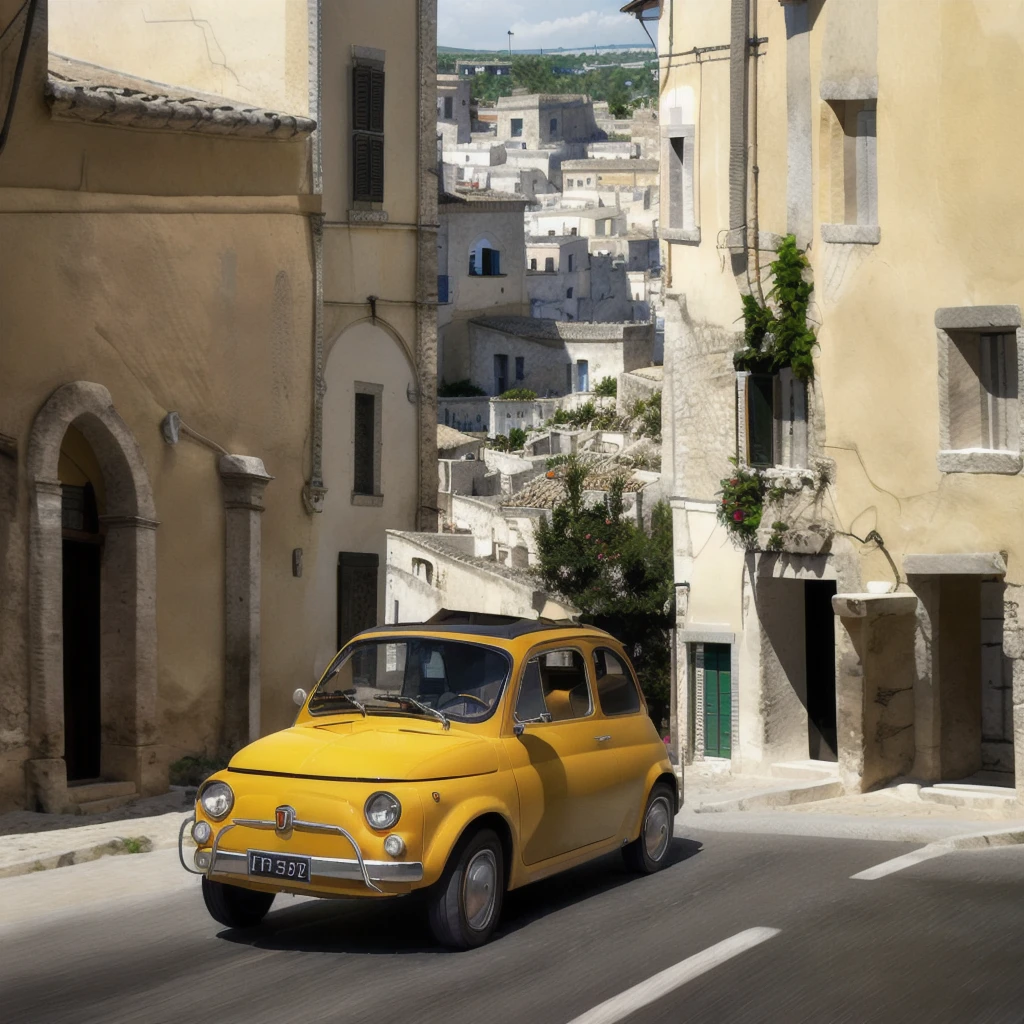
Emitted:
<point x="983" y="840"/>
<point x="802" y="793"/>
<point x="81" y="855"/>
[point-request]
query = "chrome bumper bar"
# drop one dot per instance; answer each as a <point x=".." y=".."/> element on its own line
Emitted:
<point x="232" y="863"/>
<point x="229" y="862"/>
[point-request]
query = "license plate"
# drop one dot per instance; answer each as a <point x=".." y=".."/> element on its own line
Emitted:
<point x="282" y="866"/>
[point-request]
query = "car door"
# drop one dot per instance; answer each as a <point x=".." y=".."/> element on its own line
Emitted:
<point x="562" y="773"/>
<point x="633" y="743"/>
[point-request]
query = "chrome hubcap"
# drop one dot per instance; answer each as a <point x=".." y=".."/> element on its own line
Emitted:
<point x="479" y="889"/>
<point x="657" y="828"/>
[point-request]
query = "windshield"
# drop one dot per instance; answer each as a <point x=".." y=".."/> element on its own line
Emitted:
<point x="463" y="681"/>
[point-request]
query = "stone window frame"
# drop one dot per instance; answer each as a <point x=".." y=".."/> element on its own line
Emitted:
<point x="791" y="432"/>
<point x="988" y="319"/>
<point x="690" y="231"/>
<point x="360" y="387"/>
<point x="832" y="134"/>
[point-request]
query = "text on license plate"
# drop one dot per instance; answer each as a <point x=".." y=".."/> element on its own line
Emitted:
<point x="279" y="865"/>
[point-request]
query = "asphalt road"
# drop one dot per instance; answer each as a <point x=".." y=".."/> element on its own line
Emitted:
<point x="128" y="939"/>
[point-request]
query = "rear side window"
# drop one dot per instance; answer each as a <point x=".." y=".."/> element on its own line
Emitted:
<point x="616" y="690"/>
<point x="554" y="688"/>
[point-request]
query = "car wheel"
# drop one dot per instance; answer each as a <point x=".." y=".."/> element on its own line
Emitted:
<point x="465" y="904"/>
<point x="235" y="907"/>
<point x="649" y="851"/>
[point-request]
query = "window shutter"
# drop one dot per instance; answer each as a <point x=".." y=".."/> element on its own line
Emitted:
<point x="361" y="167"/>
<point x="376" y="170"/>
<point x="361" y="98"/>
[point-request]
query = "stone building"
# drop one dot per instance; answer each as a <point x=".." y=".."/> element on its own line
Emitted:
<point x="557" y="276"/>
<point x="881" y="630"/>
<point x="541" y="120"/>
<point x="553" y="357"/>
<point x="481" y="269"/>
<point x="453" y="121"/>
<point x="208" y="417"/>
<point x="610" y="172"/>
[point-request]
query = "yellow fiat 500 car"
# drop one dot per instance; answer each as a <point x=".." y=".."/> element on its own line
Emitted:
<point x="460" y="760"/>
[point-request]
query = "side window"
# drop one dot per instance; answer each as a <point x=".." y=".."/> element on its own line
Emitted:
<point x="616" y="690"/>
<point x="554" y="688"/>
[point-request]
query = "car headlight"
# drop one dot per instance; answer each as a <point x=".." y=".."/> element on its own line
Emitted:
<point x="382" y="810"/>
<point x="217" y="799"/>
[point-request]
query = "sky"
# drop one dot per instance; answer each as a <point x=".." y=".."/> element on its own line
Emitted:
<point x="478" y="24"/>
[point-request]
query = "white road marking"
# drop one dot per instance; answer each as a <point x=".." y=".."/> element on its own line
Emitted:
<point x="908" y="860"/>
<point x="661" y="984"/>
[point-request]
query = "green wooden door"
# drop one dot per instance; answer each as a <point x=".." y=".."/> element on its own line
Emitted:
<point x="717" y="701"/>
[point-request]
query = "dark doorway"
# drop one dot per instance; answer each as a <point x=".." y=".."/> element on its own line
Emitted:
<point x="81" y="623"/>
<point x="357" y="593"/>
<point x="820" y="642"/>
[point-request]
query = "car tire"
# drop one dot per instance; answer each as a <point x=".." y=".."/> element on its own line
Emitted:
<point x="465" y="904"/>
<point x="235" y="907"/>
<point x="649" y="851"/>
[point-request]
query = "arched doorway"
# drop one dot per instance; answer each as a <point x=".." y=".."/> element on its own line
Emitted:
<point x="82" y="503"/>
<point x="92" y="598"/>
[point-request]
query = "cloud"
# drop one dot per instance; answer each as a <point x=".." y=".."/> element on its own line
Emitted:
<point x="471" y="23"/>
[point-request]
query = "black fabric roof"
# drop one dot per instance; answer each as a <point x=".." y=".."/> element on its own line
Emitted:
<point x="508" y="630"/>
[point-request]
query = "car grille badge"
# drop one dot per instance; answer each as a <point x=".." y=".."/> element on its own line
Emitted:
<point x="284" y="819"/>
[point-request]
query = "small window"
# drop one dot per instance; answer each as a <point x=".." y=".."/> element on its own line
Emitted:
<point x="760" y="414"/>
<point x="517" y="127"/>
<point x="554" y="688"/>
<point x="680" y="182"/>
<point x="983" y="391"/>
<point x="616" y="689"/>
<point x="572" y="231"/>
<point x="568" y="293"/>
<point x="851" y="174"/>
<point x="553" y="126"/>
<point x="551" y="231"/>
<point x="588" y="181"/>
<point x="520" y="367"/>
<point x="549" y="265"/>
<point x="570" y="263"/>
<point x="448" y="105"/>
<point x="773" y="419"/>
<point x="533" y="264"/>
<point x="368" y="134"/>
<point x="579" y="181"/>
<point x="366" y="460"/>
<point x="484" y="260"/>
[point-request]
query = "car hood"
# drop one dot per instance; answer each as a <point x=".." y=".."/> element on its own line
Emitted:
<point x="373" y="749"/>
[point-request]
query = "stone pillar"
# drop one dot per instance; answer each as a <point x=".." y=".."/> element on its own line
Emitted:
<point x="875" y="676"/>
<point x="245" y="479"/>
<point x="928" y="670"/>
<point x="46" y="772"/>
<point x="128" y="670"/>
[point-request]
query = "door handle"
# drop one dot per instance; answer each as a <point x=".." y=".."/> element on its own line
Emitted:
<point x="601" y="739"/>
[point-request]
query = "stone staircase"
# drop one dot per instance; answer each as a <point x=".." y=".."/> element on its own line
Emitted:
<point x="806" y="771"/>
<point x="99" y="797"/>
<point x="972" y="795"/>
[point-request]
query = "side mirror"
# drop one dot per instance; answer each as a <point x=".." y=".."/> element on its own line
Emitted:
<point x="519" y="728"/>
<point x="299" y="696"/>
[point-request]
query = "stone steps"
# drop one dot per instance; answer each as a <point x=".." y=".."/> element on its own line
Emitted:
<point x="807" y="770"/>
<point x="100" y="797"/>
<point x="961" y="794"/>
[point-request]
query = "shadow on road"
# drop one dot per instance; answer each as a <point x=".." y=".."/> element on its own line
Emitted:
<point x="399" y="925"/>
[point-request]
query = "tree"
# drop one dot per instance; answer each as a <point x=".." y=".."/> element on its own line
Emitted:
<point x="617" y="574"/>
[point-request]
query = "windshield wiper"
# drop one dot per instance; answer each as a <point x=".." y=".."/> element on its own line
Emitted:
<point x="400" y="698"/>
<point x="342" y="693"/>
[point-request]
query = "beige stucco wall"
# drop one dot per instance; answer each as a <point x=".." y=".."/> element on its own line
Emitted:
<point x="253" y="50"/>
<point x="947" y="238"/>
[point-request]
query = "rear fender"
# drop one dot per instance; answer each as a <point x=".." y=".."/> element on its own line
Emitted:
<point x="662" y="770"/>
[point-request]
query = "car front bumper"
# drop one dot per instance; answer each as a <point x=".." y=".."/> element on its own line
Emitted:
<point x="215" y="861"/>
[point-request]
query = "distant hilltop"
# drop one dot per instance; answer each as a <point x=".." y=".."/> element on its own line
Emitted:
<point x="607" y="48"/>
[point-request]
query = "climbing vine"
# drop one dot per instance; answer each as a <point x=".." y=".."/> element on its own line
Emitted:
<point x="777" y="336"/>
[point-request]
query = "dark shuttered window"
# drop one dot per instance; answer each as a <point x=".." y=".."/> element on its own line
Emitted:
<point x="368" y="134"/>
<point x="364" y="445"/>
<point x="760" y="420"/>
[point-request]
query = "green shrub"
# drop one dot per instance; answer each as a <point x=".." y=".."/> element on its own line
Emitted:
<point x="518" y="395"/>
<point x="193" y="770"/>
<point x="607" y="387"/>
<point x="516" y="439"/>
<point x="459" y="389"/>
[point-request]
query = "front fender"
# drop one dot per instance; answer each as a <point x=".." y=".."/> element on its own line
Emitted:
<point x="460" y="803"/>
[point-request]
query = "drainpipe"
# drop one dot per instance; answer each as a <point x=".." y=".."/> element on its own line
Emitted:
<point x="753" y="150"/>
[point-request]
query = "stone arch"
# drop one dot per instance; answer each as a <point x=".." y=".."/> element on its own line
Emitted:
<point x="127" y="605"/>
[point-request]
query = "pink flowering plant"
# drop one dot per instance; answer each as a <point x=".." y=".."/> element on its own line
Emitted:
<point x="742" y="503"/>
